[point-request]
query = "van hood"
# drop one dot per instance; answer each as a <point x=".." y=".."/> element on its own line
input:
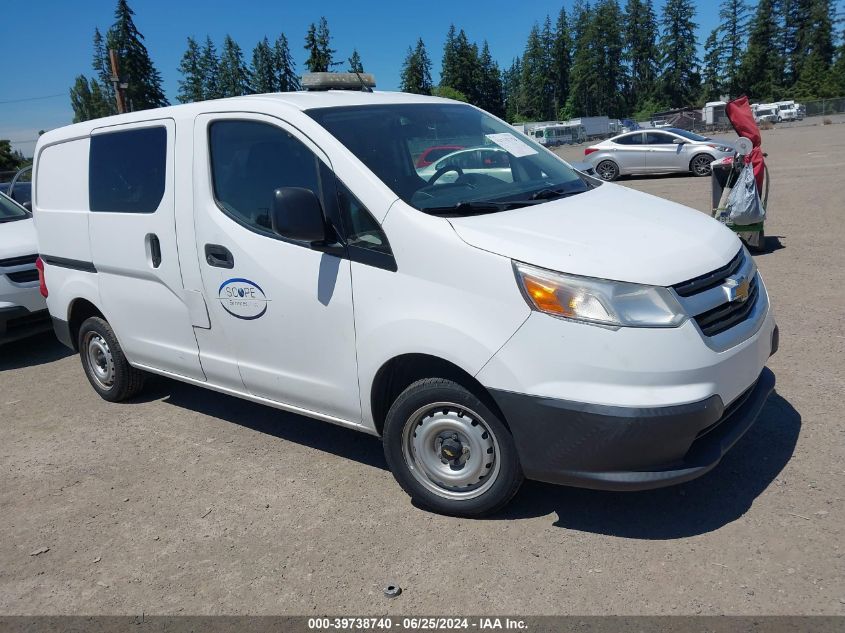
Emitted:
<point x="610" y="232"/>
<point x="17" y="238"/>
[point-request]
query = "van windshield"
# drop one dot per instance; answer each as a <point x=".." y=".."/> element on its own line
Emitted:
<point x="10" y="211"/>
<point x="491" y="168"/>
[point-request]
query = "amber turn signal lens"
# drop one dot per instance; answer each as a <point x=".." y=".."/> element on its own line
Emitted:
<point x="544" y="297"/>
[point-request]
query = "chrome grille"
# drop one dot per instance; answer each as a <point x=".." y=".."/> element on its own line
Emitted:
<point x="726" y="316"/>
<point x="723" y="299"/>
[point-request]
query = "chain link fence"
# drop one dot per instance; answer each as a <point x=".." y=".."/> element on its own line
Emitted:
<point x="820" y="107"/>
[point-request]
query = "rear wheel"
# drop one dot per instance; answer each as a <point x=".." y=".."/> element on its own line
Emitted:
<point x="449" y="451"/>
<point x="105" y="365"/>
<point x="607" y="170"/>
<point x="700" y="165"/>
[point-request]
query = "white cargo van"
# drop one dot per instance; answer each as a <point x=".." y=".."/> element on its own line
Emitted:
<point x="283" y="248"/>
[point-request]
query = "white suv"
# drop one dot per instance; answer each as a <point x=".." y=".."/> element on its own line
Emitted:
<point x="283" y="248"/>
<point x="22" y="308"/>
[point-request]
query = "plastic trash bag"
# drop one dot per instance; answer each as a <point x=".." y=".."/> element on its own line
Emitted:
<point x="744" y="204"/>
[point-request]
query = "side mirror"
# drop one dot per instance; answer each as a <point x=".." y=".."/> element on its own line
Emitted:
<point x="678" y="141"/>
<point x="297" y="215"/>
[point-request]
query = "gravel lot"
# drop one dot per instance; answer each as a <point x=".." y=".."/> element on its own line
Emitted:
<point x="187" y="501"/>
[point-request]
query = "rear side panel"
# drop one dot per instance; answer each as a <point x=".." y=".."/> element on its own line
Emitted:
<point x="60" y="200"/>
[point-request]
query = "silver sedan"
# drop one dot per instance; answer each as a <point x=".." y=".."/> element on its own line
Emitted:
<point x="656" y="152"/>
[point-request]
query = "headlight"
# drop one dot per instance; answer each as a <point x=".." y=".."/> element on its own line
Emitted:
<point x="612" y="303"/>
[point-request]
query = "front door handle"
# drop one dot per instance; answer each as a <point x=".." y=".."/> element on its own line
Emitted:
<point x="219" y="256"/>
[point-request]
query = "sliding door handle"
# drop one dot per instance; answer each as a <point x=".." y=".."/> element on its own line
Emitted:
<point x="219" y="256"/>
<point x="153" y="249"/>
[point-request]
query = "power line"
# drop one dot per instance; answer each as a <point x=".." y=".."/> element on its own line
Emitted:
<point x="61" y="94"/>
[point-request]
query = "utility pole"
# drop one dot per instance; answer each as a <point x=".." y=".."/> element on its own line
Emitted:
<point x="119" y="88"/>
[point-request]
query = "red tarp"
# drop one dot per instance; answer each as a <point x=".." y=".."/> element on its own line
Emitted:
<point x="740" y="115"/>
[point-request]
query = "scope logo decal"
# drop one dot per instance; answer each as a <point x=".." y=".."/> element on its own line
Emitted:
<point x="243" y="298"/>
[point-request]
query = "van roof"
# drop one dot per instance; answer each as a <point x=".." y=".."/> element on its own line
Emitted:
<point x="301" y="100"/>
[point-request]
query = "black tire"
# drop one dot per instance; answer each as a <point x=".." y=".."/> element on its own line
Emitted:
<point x="505" y="475"/>
<point x="703" y="158"/>
<point x="114" y="379"/>
<point x="607" y="170"/>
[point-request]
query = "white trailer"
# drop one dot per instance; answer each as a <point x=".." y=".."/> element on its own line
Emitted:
<point x="713" y="112"/>
<point x="594" y="126"/>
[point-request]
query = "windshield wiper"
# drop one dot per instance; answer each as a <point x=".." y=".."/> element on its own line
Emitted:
<point x="471" y="207"/>
<point x="551" y="193"/>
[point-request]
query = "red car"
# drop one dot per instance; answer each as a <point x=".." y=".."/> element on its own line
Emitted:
<point x="435" y="153"/>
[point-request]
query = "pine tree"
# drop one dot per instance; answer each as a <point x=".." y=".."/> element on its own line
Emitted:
<point x="641" y="52"/>
<point x="679" y="79"/>
<point x="285" y="69"/>
<point x="815" y="38"/>
<point x="837" y="70"/>
<point x="449" y="69"/>
<point x="792" y="14"/>
<point x="510" y="91"/>
<point x="209" y="70"/>
<point x="102" y="69"/>
<point x="598" y="78"/>
<point x="533" y="99"/>
<point x="613" y="77"/>
<point x="263" y="69"/>
<point x="762" y="66"/>
<point x="233" y="74"/>
<point x="416" y="70"/>
<point x="317" y="43"/>
<point x="490" y="84"/>
<point x="561" y="60"/>
<point x="547" y="37"/>
<point x="583" y="74"/>
<point x="731" y="37"/>
<point x="355" y="65"/>
<point x="144" y="88"/>
<point x="581" y="18"/>
<point x="711" y="82"/>
<point x="461" y="65"/>
<point x="191" y="85"/>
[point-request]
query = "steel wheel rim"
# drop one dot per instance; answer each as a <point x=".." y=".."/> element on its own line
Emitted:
<point x="701" y="165"/>
<point x="606" y="171"/>
<point x="433" y="431"/>
<point x="100" y="359"/>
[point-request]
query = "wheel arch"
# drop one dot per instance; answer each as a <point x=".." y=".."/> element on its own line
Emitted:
<point x="398" y="373"/>
<point x="79" y="310"/>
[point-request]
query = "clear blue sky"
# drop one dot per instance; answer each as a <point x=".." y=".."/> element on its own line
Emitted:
<point x="45" y="44"/>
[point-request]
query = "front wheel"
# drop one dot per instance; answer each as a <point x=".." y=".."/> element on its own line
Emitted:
<point x="607" y="170"/>
<point x="700" y="165"/>
<point x="449" y="451"/>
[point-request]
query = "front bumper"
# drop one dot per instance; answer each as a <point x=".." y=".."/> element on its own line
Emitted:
<point x="627" y="448"/>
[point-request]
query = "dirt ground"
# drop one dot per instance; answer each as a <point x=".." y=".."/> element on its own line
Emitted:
<point x="187" y="501"/>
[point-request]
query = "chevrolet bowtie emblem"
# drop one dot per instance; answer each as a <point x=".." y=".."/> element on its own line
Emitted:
<point x="740" y="292"/>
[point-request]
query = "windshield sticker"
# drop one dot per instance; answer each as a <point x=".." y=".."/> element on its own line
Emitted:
<point x="243" y="298"/>
<point x="512" y="144"/>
